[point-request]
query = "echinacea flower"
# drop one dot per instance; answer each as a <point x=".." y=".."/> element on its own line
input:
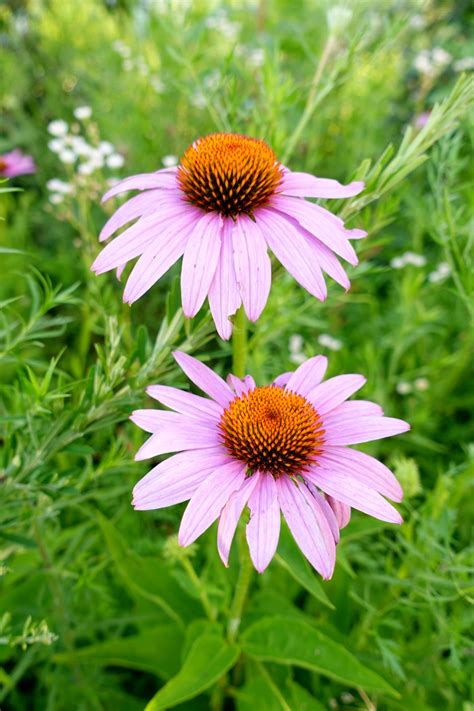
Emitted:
<point x="277" y="448"/>
<point x="227" y="202"/>
<point x="16" y="163"/>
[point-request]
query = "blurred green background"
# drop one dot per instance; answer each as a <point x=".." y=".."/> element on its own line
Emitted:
<point x="98" y="609"/>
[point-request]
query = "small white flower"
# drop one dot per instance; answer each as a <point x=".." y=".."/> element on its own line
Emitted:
<point x="440" y="57"/>
<point x="397" y="263"/>
<point x="82" y="113"/>
<point x="422" y="384"/>
<point x="169" y="161"/>
<point x="297" y="358"/>
<point x="464" y="65"/>
<point x="198" y="99"/>
<point x="80" y="146"/>
<point x="121" y="48"/>
<point x="56" y="198"/>
<point x="106" y="148"/>
<point x="338" y="19"/>
<point x="127" y="65"/>
<point x="296" y="343"/>
<point x="56" y="145"/>
<point x="67" y="156"/>
<point x="86" y="168"/>
<point x="58" y="127"/>
<point x="157" y="84"/>
<point x="416" y="260"/>
<point x="115" y="160"/>
<point x="256" y="57"/>
<point x="418" y="22"/>
<point x="440" y="274"/>
<point x="404" y="388"/>
<point x="333" y="344"/>
<point x="55" y="185"/>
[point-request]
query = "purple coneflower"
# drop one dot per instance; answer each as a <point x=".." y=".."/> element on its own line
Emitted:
<point x="275" y="448"/>
<point x="16" y="163"/>
<point x="227" y="202"/>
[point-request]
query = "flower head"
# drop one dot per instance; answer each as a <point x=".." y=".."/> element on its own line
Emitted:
<point x="221" y="208"/>
<point x="16" y="163"/>
<point x="276" y="448"/>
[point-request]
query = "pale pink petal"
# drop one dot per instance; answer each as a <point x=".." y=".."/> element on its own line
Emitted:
<point x="308" y="375"/>
<point x="144" y="181"/>
<point x="354" y="408"/>
<point x="252" y="266"/>
<point x="200" y="262"/>
<point x="224" y="294"/>
<point x="308" y="526"/>
<point x="281" y="380"/>
<point x="134" y="240"/>
<point x="209" y="500"/>
<point x="327" y="260"/>
<point x="353" y="493"/>
<point x="326" y="510"/>
<point x="186" y="403"/>
<point x="362" y="467"/>
<point x="328" y="395"/>
<point x="356" y="234"/>
<point x="241" y="386"/>
<point x="342" y="512"/>
<point x="119" y="271"/>
<point x="230" y="515"/>
<point x="317" y="225"/>
<point x="178" y="437"/>
<point x="306" y="185"/>
<point x="176" y="479"/>
<point x="297" y="254"/>
<point x="365" y="429"/>
<point x="153" y="420"/>
<point x="205" y="378"/>
<point x="140" y="205"/>
<point x="263" y="529"/>
<point x="168" y="247"/>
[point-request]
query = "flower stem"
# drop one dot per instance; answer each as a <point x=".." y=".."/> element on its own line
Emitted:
<point x="189" y="568"/>
<point x="239" y="354"/>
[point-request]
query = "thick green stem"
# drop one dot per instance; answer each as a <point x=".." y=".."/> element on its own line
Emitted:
<point x="239" y="344"/>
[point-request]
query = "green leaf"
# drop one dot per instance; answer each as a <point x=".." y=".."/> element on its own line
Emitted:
<point x="209" y="658"/>
<point x="157" y="651"/>
<point x="302" y="700"/>
<point x="292" y="560"/>
<point x="292" y="641"/>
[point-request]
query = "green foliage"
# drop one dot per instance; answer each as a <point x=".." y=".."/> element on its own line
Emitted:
<point x="97" y="600"/>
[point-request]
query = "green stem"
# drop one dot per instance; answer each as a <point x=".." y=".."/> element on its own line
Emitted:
<point x="188" y="566"/>
<point x="239" y="344"/>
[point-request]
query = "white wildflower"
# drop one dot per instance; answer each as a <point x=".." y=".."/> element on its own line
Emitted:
<point x="422" y="384"/>
<point x="115" y="160"/>
<point x="58" y="127"/>
<point x="169" y="161"/>
<point x="83" y="113"/>
<point x="56" y="145"/>
<point x="67" y="156"/>
<point x="404" y="388"/>
<point x="464" y="65"/>
<point x="440" y="274"/>
<point x="55" y="185"/>
<point x="157" y="84"/>
<point x="106" y="148"/>
<point x="295" y="343"/>
<point x="333" y="344"/>
<point x="56" y="198"/>
<point x="86" y="168"/>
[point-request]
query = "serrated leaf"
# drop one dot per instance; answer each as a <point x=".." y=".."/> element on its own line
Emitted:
<point x="209" y="658"/>
<point x="296" y="642"/>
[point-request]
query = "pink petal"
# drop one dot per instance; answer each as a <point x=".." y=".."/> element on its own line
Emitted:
<point x="200" y="262"/>
<point x="139" y="205"/>
<point x="186" y="403"/>
<point x="230" y="516"/>
<point x="281" y="380"/>
<point x="263" y="529"/>
<point x="143" y="181"/>
<point x="326" y="511"/>
<point x="355" y="408"/>
<point x="205" y="378"/>
<point x="297" y="254"/>
<point x="153" y="420"/>
<point x="177" y="437"/>
<point x="176" y="479"/>
<point x="158" y="258"/>
<point x="328" y="395"/>
<point x="365" y="429"/>
<point x="353" y="493"/>
<point x="360" y="466"/>
<point x="308" y="526"/>
<point x="252" y="266"/>
<point x="342" y="512"/>
<point x="317" y="225"/>
<point x="306" y="185"/>
<point x="308" y="375"/>
<point x="209" y="500"/>
<point x="224" y="294"/>
<point x="241" y="386"/>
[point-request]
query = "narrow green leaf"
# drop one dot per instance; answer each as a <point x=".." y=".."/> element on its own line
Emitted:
<point x="209" y="658"/>
<point x="291" y="641"/>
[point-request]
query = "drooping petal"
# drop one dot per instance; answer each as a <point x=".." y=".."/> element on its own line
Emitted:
<point x="186" y="403"/>
<point x="209" y="500"/>
<point x="205" y="378"/>
<point x="263" y="529"/>
<point x="362" y="467"/>
<point x="315" y="223"/>
<point x="224" y="293"/>
<point x="252" y="266"/>
<point x="308" y="375"/>
<point x="298" y="255"/>
<point x="308" y="526"/>
<point x="165" y="178"/>
<point x="230" y="515"/>
<point x="140" y="205"/>
<point x="158" y="258"/>
<point x="241" y="386"/>
<point x="153" y="420"/>
<point x="306" y="185"/>
<point x="176" y="479"/>
<point x="365" y="429"/>
<point x="200" y="262"/>
<point x="178" y="437"/>
<point x="328" y="395"/>
<point x="353" y="493"/>
<point x="342" y="512"/>
<point x="326" y="510"/>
